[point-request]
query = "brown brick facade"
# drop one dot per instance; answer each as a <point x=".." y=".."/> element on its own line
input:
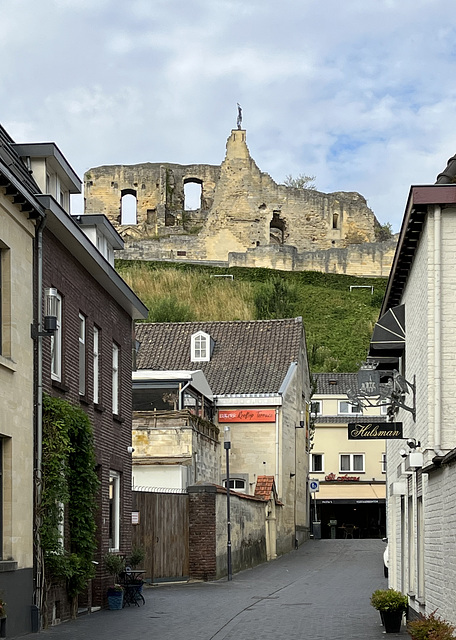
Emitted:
<point x="202" y="532"/>
<point x="81" y="293"/>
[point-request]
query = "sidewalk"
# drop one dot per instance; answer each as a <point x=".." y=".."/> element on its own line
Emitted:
<point x="320" y="592"/>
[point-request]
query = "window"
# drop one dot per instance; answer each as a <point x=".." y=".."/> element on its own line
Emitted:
<point x="82" y="355"/>
<point x="384" y="409"/>
<point x="114" y="511"/>
<point x="347" y="407"/>
<point x="351" y="462"/>
<point x="56" y="345"/>
<point x="201" y="344"/>
<point x="96" y="366"/>
<point x="315" y="407"/>
<point x="115" y="379"/>
<point x="316" y="462"/>
<point x="237" y="484"/>
<point x="128" y="205"/>
<point x="383" y="462"/>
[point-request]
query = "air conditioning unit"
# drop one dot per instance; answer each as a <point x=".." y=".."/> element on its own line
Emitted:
<point x="413" y="461"/>
<point x="398" y="489"/>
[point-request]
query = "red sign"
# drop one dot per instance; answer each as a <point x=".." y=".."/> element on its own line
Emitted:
<point x="247" y="415"/>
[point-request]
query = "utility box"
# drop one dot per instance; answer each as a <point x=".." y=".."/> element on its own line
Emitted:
<point x="316" y="528"/>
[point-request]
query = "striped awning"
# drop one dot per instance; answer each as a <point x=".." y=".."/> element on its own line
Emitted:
<point x="388" y="339"/>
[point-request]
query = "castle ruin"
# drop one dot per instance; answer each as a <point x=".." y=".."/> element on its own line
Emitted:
<point x="244" y="218"/>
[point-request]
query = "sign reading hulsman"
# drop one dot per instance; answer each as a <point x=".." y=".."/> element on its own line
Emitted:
<point x="375" y="431"/>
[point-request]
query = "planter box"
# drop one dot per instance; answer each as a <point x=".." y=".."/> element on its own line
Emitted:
<point x="115" y="600"/>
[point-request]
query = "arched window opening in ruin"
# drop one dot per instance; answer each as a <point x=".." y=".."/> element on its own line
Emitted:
<point x="277" y="229"/>
<point x="193" y="190"/>
<point x="335" y="220"/>
<point x="128" y="206"/>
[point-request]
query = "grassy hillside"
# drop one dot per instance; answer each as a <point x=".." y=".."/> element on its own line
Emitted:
<point x="338" y="322"/>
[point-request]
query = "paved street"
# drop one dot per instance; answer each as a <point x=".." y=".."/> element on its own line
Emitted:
<point x="320" y="592"/>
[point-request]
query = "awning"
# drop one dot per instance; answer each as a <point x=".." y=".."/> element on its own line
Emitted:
<point x="339" y="492"/>
<point x="388" y="339"/>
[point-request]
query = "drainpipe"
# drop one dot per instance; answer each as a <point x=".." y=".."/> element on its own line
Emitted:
<point x="39" y="410"/>
<point x="277" y="445"/>
<point x="437" y="331"/>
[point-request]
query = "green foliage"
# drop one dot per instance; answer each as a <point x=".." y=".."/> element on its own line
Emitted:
<point x="276" y="298"/>
<point x="383" y="232"/>
<point x="69" y="479"/>
<point x="169" y="309"/>
<point x="431" y="627"/>
<point x="389" y="600"/>
<point x="300" y="182"/>
<point x="136" y="558"/>
<point x="114" y="565"/>
<point x="338" y="322"/>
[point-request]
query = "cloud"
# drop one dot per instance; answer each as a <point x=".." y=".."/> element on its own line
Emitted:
<point x="358" y="93"/>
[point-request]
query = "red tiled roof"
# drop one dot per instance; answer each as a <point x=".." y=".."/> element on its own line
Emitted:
<point x="264" y="487"/>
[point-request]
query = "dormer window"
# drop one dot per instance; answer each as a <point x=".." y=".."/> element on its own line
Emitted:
<point x="201" y="347"/>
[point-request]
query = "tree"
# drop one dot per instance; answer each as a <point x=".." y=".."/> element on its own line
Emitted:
<point x="300" y="182"/>
<point x="383" y="232"/>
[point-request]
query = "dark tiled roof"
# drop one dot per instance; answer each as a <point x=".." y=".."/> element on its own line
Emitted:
<point x="248" y="356"/>
<point x="12" y="161"/>
<point x="336" y="383"/>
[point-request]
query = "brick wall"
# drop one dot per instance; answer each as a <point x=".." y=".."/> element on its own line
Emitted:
<point x="202" y="532"/>
<point x="82" y="294"/>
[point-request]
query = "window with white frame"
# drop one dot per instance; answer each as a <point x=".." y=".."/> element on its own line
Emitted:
<point x="237" y="484"/>
<point x="384" y="409"/>
<point x="56" y="344"/>
<point x="347" y="407"/>
<point x="96" y="365"/>
<point x="351" y="462"/>
<point x="315" y="407"/>
<point x="5" y="301"/>
<point x="82" y="355"/>
<point x="200" y="347"/>
<point x="115" y="378"/>
<point x="317" y="462"/>
<point x="114" y="511"/>
<point x="383" y="462"/>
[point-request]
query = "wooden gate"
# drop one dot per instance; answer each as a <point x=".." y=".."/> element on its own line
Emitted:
<point x="162" y="531"/>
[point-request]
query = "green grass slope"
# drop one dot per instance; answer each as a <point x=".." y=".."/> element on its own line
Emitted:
<point x="338" y="322"/>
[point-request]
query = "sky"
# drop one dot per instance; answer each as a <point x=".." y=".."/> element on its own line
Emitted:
<point x="359" y="93"/>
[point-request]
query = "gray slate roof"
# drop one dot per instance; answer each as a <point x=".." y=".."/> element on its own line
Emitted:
<point x="10" y="158"/>
<point x="248" y="356"/>
<point x="336" y="383"/>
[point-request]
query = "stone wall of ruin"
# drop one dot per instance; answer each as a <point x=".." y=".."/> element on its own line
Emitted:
<point x="244" y="217"/>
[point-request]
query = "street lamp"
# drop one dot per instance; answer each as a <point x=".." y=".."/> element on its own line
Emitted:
<point x="227" y="447"/>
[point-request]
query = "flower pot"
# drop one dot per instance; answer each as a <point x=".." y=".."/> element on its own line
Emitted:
<point x="115" y="600"/>
<point x="392" y="621"/>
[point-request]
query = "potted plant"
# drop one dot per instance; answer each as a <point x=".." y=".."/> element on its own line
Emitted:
<point x="136" y="558"/>
<point x="115" y="565"/>
<point x="430" y="627"/>
<point x="391" y="604"/>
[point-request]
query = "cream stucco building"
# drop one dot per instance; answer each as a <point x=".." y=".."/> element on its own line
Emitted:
<point x="19" y="215"/>
<point x="351" y="497"/>
<point x="259" y="378"/>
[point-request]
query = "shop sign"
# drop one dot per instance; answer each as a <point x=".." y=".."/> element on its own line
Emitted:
<point x="375" y="431"/>
<point x="247" y="415"/>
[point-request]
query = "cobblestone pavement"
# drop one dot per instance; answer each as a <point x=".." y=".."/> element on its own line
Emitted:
<point x="319" y="592"/>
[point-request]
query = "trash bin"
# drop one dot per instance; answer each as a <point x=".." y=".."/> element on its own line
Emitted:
<point x="316" y="528"/>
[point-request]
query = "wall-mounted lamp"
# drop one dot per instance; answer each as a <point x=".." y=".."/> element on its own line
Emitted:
<point x="51" y="306"/>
